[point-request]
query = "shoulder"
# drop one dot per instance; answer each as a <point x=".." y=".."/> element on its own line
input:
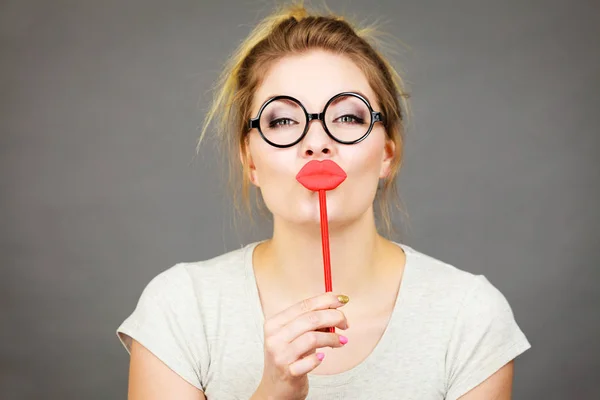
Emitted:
<point x="473" y="321"/>
<point x="457" y="291"/>
<point x="224" y="273"/>
<point x="199" y="289"/>
<point x="187" y="275"/>
<point x="184" y="297"/>
<point x="178" y="310"/>
<point x="431" y="275"/>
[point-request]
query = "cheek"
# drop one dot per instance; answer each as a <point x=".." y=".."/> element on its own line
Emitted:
<point x="367" y="158"/>
<point x="272" y="166"/>
<point x="277" y="182"/>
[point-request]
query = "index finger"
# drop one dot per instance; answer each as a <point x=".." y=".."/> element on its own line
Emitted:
<point x="319" y="302"/>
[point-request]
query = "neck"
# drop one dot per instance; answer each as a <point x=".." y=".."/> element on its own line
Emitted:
<point x="293" y="258"/>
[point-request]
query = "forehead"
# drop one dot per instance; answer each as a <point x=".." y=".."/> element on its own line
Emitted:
<point x="313" y="78"/>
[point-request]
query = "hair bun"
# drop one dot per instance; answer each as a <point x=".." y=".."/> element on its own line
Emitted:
<point x="296" y="11"/>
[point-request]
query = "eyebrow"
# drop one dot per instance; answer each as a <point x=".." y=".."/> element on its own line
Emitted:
<point x="343" y="91"/>
<point x="362" y="94"/>
<point x="287" y="101"/>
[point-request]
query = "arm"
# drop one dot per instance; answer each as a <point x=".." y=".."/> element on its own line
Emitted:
<point x="496" y="387"/>
<point x="150" y="378"/>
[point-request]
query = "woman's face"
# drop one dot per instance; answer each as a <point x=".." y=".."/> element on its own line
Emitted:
<point x="313" y="78"/>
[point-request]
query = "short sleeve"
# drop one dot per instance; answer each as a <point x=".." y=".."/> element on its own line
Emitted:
<point x="485" y="337"/>
<point x="167" y="322"/>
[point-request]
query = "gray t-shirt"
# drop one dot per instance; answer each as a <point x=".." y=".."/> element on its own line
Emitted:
<point x="449" y="331"/>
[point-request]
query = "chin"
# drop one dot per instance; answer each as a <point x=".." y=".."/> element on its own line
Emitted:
<point x="309" y="216"/>
<point x="303" y="214"/>
<point x="305" y="210"/>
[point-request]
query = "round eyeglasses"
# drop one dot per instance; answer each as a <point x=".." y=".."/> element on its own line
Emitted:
<point x="347" y="118"/>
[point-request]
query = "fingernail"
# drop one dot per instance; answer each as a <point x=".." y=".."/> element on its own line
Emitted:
<point x="342" y="298"/>
<point x="343" y="339"/>
<point x="320" y="356"/>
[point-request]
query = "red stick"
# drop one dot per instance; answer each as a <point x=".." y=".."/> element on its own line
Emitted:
<point x="322" y="176"/>
<point x="325" y="244"/>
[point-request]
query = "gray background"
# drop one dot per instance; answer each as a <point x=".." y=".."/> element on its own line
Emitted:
<point x="100" y="103"/>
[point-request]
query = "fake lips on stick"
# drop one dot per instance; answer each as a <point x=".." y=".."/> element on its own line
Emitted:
<point x="322" y="176"/>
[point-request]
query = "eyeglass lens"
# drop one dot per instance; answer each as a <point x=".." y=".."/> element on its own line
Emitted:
<point x="283" y="121"/>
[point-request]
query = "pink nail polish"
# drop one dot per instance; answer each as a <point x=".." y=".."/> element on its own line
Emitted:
<point x="343" y="339"/>
<point x="320" y="356"/>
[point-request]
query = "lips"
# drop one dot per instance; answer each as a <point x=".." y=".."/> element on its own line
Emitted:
<point x="321" y="175"/>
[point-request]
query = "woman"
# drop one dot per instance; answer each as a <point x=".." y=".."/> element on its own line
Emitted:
<point x="253" y="323"/>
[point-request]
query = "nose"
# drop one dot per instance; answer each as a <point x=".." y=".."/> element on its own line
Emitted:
<point x="316" y="142"/>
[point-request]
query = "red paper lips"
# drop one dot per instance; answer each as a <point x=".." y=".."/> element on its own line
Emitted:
<point x="321" y="175"/>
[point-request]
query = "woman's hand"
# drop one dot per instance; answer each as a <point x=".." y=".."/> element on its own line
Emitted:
<point x="291" y="340"/>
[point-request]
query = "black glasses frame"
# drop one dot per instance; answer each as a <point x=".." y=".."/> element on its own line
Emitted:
<point x="376" y="116"/>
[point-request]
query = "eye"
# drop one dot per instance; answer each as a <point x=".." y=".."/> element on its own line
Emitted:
<point x="349" y="119"/>
<point x="281" y="122"/>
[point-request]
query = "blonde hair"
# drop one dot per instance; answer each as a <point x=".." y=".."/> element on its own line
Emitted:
<point x="290" y="30"/>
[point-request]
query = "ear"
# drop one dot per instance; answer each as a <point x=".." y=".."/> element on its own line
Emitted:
<point x="389" y="152"/>
<point x="248" y="163"/>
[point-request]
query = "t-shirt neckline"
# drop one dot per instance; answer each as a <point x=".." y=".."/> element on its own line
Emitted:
<point x="380" y="348"/>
